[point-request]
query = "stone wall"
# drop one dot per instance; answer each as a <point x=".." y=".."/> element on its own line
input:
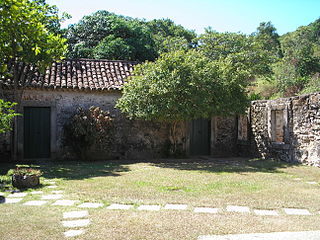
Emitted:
<point x="287" y="129"/>
<point x="132" y="139"/>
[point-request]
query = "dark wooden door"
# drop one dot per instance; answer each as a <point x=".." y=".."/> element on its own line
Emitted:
<point x="200" y="137"/>
<point x="37" y="132"/>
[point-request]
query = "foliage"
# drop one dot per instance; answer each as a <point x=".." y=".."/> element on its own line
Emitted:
<point x="28" y="35"/>
<point x="170" y="37"/>
<point x="268" y="38"/>
<point x="236" y="49"/>
<point x="25" y="172"/>
<point x="87" y="128"/>
<point x="6" y="115"/>
<point x="115" y="37"/>
<point x="182" y="86"/>
<point x="110" y="36"/>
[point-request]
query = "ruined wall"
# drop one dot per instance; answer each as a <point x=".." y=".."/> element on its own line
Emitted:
<point x="224" y="136"/>
<point x="287" y="129"/>
<point x="132" y="139"/>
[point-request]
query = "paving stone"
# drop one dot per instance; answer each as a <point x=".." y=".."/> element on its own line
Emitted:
<point x="90" y="205"/>
<point x="73" y="233"/>
<point x="75" y="214"/>
<point x="35" y="203"/>
<point x="176" y="206"/>
<point x="17" y="195"/>
<point x="57" y="192"/>
<point x="239" y="209"/>
<point x="13" y="200"/>
<point x="312" y="183"/>
<point x="205" y="210"/>
<point x="310" y="235"/>
<point x="76" y="223"/>
<point x="120" y="206"/>
<point x="149" y="207"/>
<point x="64" y="203"/>
<point x="52" y="196"/>
<point x="294" y="211"/>
<point x="266" y="212"/>
<point x="36" y="192"/>
<point x="51" y="182"/>
<point x="53" y="186"/>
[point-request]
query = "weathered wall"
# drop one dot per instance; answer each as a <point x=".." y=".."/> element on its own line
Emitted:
<point x="132" y="139"/>
<point x="224" y="136"/>
<point x="297" y="119"/>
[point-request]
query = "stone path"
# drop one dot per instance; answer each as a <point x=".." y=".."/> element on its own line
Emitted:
<point x="76" y="221"/>
<point x="309" y="235"/>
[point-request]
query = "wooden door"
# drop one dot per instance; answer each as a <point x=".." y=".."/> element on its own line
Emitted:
<point x="200" y="137"/>
<point x="37" y="131"/>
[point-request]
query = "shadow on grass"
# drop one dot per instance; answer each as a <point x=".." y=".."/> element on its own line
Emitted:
<point x="227" y="165"/>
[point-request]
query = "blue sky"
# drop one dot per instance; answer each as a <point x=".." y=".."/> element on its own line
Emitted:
<point x="224" y="15"/>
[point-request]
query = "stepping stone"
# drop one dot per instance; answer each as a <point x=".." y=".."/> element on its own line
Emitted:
<point x="205" y="210"/>
<point x="64" y="203"/>
<point x="75" y="214"/>
<point x="73" y="233"/>
<point x="266" y="212"/>
<point x="35" y="203"/>
<point x="57" y="192"/>
<point x="51" y="196"/>
<point x="53" y="186"/>
<point x="176" y="206"/>
<point x="51" y="182"/>
<point x="149" y="208"/>
<point x="90" y="205"/>
<point x="76" y="223"/>
<point x="1" y="194"/>
<point x="297" y="179"/>
<point x="312" y="183"/>
<point x="239" y="209"/>
<point x="120" y="206"/>
<point x="17" y="195"/>
<point x="12" y="200"/>
<point x="36" y="192"/>
<point x="294" y="211"/>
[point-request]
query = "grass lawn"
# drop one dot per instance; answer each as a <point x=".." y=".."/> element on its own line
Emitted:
<point x="258" y="184"/>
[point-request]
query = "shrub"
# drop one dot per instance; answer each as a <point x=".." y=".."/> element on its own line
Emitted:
<point x="87" y="128"/>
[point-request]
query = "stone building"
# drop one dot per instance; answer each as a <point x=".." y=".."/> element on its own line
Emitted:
<point x="51" y="99"/>
<point x="286" y="129"/>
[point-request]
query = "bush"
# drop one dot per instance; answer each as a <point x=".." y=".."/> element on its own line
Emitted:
<point x="88" y="128"/>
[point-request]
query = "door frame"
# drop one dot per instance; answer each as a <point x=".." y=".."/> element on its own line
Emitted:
<point x="19" y="134"/>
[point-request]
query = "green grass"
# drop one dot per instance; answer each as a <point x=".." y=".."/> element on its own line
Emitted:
<point x="260" y="184"/>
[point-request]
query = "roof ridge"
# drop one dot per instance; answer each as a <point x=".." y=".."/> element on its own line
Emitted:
<point x="99" y="60"/>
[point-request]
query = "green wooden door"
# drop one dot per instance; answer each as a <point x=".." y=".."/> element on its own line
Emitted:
<point x="200" y="137"/>
<point x="37" y="132"/>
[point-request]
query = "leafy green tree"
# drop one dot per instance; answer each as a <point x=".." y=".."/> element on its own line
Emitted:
<point x="26" y="39"/>
<point x="268" y="37"/>
<point x="6" y="115"/>
<point x="110" y="36"/>
<point x="238" y="49"/>
<point x="170" y="37"/>
<point x="183" y="85"/>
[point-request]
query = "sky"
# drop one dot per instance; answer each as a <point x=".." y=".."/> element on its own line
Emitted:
<point x="222" y="15"/>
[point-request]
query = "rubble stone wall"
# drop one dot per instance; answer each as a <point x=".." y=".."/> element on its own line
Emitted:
<point x="299" y="138"/>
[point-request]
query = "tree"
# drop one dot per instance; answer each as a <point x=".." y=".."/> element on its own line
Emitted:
<point x="110" y="36"/>
<point x="268" y="37"/>
<point x="238" y="49"/>
<point x="26" y="42"/>
<point x="6" y="115"/>
<point x="170" y="37"/>
<point x="183" y="85"/>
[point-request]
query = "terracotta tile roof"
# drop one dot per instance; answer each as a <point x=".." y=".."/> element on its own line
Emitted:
<point x="83" y="74"/>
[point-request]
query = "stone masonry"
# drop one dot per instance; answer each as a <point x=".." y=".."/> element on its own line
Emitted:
<point x="287" y="129"/>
